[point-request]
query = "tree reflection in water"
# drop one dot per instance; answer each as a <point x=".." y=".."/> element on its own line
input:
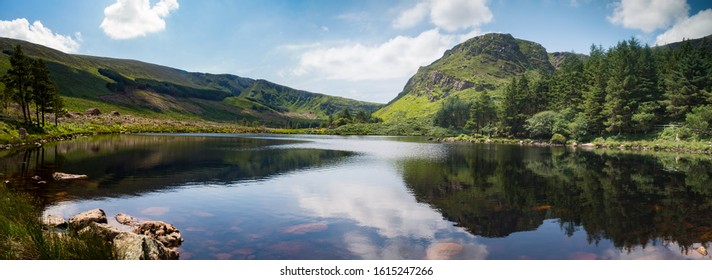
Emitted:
<point x="628" y="198"/>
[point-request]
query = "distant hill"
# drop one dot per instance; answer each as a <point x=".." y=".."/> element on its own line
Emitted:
<point x="482" y="63"/>
<point x="151" y="90"/>
<point x="485" y="62"/>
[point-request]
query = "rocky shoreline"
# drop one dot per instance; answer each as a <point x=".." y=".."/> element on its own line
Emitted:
<point x="147" y="240"/>
<point x="626" y="146"/>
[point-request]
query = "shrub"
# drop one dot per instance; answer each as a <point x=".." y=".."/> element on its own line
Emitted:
<point x="558" y="139"/>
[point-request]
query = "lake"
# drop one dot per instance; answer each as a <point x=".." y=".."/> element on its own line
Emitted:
<point x="291" y="197"/>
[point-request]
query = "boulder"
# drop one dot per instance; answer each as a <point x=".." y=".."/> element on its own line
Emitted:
<point x="131" y="246"/>
<point x="93" y="112"/>
<point x="104" y="231"/>
<point x="702" y="250"/>
<point x="84" y="219"/>
<point x="115" y="113"/>
<point x="125" y="219"/>
<point x="59" y="176"/>
<point x="161" y="231"/>
<point x="54" y="221"/>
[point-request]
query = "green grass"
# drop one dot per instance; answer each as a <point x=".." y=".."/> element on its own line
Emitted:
<point x="22" y="236"/>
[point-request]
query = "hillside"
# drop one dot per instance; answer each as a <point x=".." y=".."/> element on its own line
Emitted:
<point x="482" y="63"/>
<point x="150" y="90"/>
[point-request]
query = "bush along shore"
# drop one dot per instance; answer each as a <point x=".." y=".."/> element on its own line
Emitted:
<point x="698" y="147"/>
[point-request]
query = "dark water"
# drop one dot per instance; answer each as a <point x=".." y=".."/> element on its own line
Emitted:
<point x="322" y="197"/>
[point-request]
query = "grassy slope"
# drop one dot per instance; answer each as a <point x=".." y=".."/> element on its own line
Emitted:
<point x="487" y="61"/>
<point x="79" y="80"/>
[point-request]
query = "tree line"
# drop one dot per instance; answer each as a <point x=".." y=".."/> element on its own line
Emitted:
<point x="27" y="84"/>
<point x="627" y="89"/>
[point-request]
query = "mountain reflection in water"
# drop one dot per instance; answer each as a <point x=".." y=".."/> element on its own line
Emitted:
<point x="329" y="197"/>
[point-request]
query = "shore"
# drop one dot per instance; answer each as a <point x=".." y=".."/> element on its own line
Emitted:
<point x="697" y="147"/>
<point x="75" y="125"/>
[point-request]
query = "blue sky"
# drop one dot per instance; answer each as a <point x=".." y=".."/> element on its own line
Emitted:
<point x="365" y="49"/>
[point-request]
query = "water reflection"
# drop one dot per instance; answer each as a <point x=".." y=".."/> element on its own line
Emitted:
<point x="130" y="165"/>
<point x="631" y="200"/>
<point x="327" y="197"/>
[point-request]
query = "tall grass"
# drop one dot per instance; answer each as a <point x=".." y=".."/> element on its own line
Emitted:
<point x="22" y="236"/>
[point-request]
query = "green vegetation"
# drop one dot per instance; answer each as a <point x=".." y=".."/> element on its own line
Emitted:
<point x="148" y="90"/>
<point x="22" y="236"/>
<point x="629" y="91"/>
<point x="26" y="82"/>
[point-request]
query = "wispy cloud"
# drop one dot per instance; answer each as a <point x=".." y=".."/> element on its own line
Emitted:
<point x="399" y="57"/>
<point x="451" y="15"/>
<point x="697" y="26"/>
<point x="127" y="19"/>
<point x="648" y="15"/>
<point x="39" y="34"/>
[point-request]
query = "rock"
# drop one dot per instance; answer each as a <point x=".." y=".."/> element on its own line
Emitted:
<point x="443" y="251"/>
<point x="104" y="231"/>
<point x="59" y="176"/>
<point x="84" y="219"/>
<point x="131" y="246"/>
<point x="702" y="250"/>
<point x="125" y="219"/>
<point x="587" y="146"/>
<point x="115" y="113"/>
<point x="41" y="182"/>
<point x="22" y="133"/>
<point x="161" y="231"/>
<point x="93" y="112"/>
<point x="54" y="221"/>
<point x="36" y="178"/>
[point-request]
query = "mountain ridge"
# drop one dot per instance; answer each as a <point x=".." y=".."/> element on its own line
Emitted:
<point x="154" y="90"/>
<point x="485" y="62"/>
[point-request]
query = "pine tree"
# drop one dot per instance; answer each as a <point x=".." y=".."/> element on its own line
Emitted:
<point x="483" y="114"/>
<point x="42" y="90"/>
<point x="567" y="84"/>
<point x="17" y="82"/>
<point x="594" y="96"/>
<point x="687" y="84"/>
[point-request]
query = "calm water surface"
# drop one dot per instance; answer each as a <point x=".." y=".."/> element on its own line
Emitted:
<point x="326" y="197"/>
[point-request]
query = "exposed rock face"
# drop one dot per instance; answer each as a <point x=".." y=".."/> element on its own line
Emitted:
<point x="441" y="79"/>
<point x="161" y="231"/>
<point x="93" y="112"/>
<point x="85" y="219"/>
<point x="66" y="176"/>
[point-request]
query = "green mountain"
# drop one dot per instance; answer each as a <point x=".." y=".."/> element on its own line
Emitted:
<point x="139" y="88"/>
<point x="482" y="63"/>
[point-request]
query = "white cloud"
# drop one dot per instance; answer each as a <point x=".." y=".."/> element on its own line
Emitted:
<point x="37" y="33"/>
<point x="127" y="19"/>
<point x="399" y="57"/>
<point x="698" y="26"/>
<point x="451" y="15"/>
<point x="412" y="16"/>
<point x="648" y="15"/>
